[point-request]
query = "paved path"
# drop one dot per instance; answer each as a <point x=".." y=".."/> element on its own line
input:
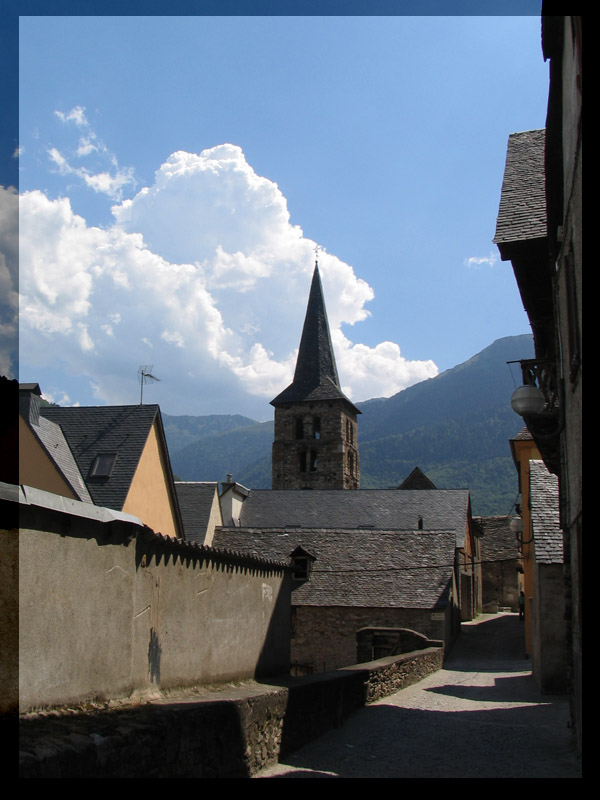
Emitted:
<point x="480" y="717"/>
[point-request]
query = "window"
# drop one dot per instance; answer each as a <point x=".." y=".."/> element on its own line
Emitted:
<point x="349" y="431"/>
<point x="299" y="428"/>
<point x="103" y="465"/>
<point x="302" y="562"/>
<point x="301" y="568"/>
<point x="302" y="460"/>
<point x="316" y="427"/>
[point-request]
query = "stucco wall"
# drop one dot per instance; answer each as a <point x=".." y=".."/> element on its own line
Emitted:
<point x="149" y="497"/>
<point x="108" y="609"/>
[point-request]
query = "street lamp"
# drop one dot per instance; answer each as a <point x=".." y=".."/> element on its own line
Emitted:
<point x="528" y="399"/>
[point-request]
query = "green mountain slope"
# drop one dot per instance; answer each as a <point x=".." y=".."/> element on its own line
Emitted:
<point x="455" y="427"/>
<point x="184" y="430"/>
<point x="237" y="451"/>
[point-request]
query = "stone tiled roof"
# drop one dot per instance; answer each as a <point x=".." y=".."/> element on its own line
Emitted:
<point x="195" y="504"/>
<point x="522" y="435"/>
<point x="543" y="498"/>
<point x="498" y="542"/>
<point x="385" y="509"/>
<point x="92" y="430"/>
<point x="417" y="480"/>
<point x="522" y="211"/>
<point x="384" y="568"/>
<point x="316" y="376"/>
<point x="51" y="438"/>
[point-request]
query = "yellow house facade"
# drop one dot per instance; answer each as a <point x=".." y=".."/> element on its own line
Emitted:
<point x="151" y="496"/>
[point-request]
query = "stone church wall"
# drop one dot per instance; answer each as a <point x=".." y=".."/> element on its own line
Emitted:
<point x="315" y="446"/>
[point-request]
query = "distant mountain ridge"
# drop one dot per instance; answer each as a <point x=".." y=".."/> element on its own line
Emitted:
<point x="455" y="427"/>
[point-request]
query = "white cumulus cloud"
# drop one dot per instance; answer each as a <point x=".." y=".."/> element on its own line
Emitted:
<point x="205" y="268"/>
<point x="9" y="268"/>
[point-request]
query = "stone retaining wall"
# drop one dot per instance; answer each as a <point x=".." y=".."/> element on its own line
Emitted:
<point x="230" y="733"/>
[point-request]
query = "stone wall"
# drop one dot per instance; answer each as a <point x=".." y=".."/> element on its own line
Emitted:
<point x="108" y="609"/>
<point x="500" y="585"/>
<point x="325" y="638"/>
<point x="230" y="734"/>
<point x="549" y="652"/>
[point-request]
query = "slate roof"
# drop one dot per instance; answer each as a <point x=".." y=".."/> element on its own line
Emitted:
<point x="543" y="499"/>
<point x="381" y="509"/>
<point x="498" y="542"/>
<point x="52" y="440"/>
<point x="523" y="435"/>
<point x="195" y="505"/>
<point x="522" y="211"/>
<point x="91" y="430"/>
<point x="316" y="376"/>
<point x="417" y="480"/>
<point x="384" y="568"/>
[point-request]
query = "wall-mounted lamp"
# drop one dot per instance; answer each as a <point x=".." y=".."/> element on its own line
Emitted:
<point x="516" y="525"/>
<point x="528" y="400"/>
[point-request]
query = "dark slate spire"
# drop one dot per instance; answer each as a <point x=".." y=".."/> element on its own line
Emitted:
<point x="316" y="376"/>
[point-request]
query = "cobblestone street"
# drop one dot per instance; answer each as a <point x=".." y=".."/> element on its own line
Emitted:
<point x="482" y="716"/>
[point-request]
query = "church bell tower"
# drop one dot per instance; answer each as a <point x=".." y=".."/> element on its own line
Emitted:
<point x="315" y="444"/>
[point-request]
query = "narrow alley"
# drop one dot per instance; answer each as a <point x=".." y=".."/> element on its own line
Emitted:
<point x="481" y="716"/>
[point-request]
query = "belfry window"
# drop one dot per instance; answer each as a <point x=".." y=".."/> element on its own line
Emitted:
<point x="302" y="460"/>
<point x="349" y="432"/>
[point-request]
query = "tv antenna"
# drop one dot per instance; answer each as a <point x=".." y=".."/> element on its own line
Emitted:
<point x="145" y="376"/>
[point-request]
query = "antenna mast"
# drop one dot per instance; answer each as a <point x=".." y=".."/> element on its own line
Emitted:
<point x="145" y="376"/>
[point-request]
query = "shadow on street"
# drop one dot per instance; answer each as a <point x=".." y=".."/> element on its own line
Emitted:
<point x="481" y="716"/>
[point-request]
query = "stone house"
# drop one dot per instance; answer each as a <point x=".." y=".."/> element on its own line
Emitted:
<point x="539" y="229"/>
<point x="348" y="579"/>
<point x="372" y="558"/>
<point x="549" y="604"/>
<point x="501" y="564"/>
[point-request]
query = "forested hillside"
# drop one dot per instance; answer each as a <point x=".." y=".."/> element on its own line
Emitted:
<point x="455" y="427"/>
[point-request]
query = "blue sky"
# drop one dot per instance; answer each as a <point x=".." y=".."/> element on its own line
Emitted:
<point x="177" y="172"/>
